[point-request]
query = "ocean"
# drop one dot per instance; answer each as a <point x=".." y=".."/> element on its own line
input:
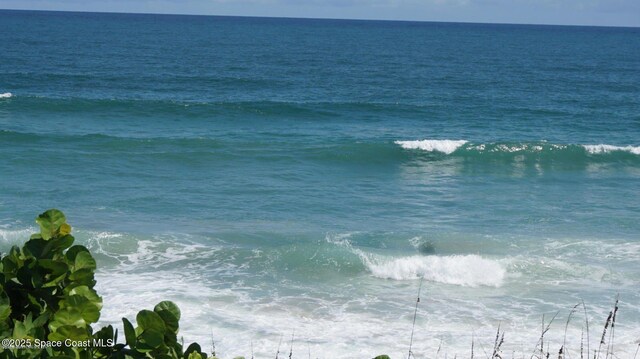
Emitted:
<point x="279" y="177"/>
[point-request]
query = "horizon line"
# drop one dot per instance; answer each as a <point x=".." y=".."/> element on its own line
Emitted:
<point x="318" y="18"/>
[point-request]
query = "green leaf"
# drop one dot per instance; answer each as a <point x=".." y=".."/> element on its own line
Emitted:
<point x="67" y="316"/>
<point x="150" y="339"/>
<point x="89" y="311"/>
<point x="195" y="355"/>
<point x="193" y="348"/>
<point x="55" y="271"/>
<point x="60" y="243"/>
<point x="86" y="292"/>
<point x="83" y="277"/>
<point x="105" y="332"/>
<point x="148" y="320"/>
<point x="69" y="332"/>
<point x="5" y="312"/>
<point x="50" y="222"/>
<point x="84" y="260"/>
<point x="41" y="320"/>
<point x="19" y="330"/>
<point x="12" y="261"/>
<point x="36" y="247"/>
<point x="129" y="333"/>
<point x="170" y="314"/>
<point x="73" y="252"/>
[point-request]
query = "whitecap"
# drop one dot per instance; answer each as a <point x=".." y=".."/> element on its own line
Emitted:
<point x="444" y="146"/>
<point x="465" y="270"/>
<point x="604" y="148"/>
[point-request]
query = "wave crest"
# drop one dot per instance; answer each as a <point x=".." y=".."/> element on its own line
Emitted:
<point x="444" y="146"/>
<point x="603" y="148"/>
<point x="6" y="95"/>
<point x="465" y="270"/>
<point x="463" y="147"/>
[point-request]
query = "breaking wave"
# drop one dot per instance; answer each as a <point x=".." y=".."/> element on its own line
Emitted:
<point x="541" y="148"/>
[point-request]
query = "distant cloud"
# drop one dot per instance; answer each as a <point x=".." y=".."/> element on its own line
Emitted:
<point x="580" y="12"/>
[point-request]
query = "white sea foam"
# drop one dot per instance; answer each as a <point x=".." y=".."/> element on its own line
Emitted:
<point x="466" y="270"/>
<point x="6" y="95"/>
<point x="603" y="148"/>
<point x="444" y="146"/>
<point x="235" y="312"/>
<point x="16" y="236"/>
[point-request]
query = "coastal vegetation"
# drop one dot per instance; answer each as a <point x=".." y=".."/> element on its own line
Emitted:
<point x="48" y="305"/>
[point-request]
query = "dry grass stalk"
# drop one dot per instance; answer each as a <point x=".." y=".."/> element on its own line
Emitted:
<point x="607" y="323"/>
<point x="213" y="345"/>
<point x="563" y="348"/>
<point x="472" y="344"/>
<point x="415" y="314"/>
<point x="586" y="320"/>
<point x="279" y="343"/>
<point x="291" y="348"/>
<point x="613" y="328"/>
<point x="582" y="344"/>
<point x="544" y="330"/>
<point x="497" y="344"/>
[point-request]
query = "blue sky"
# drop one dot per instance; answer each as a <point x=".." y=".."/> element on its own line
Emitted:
<point x="566" y="12"/>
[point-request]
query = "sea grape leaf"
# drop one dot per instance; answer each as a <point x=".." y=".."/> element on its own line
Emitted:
<point x="148" y="320"/>
<point x="193" y="348"/>
<point x="195" y="355"/>
<point x="88" y="293"/>
<point x="170" y="314"/>
<point x="36" y="247"/>
<point x="73" y="252"/>
<point x="83" y="277"/>
<point x="50" y="222"/>
<point x="60" y="243"/>
<point x="84" y="260"/>
<point x="41" y="320"/>
<point x="150" y="339"/>
<point x="69" y="332"/>
<point x="89" y="311"/>
<point x="67" y="316"/>
<point x="5" y="312"/>
<point x="129" y="333"/>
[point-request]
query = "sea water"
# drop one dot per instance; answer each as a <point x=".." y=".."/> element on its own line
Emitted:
<point x="286" y="176"/>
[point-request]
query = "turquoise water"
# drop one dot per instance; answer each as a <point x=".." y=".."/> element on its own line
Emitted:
<point x="272" y="175"/>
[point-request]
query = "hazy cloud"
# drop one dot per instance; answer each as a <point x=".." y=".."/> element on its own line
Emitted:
<point x="574" y="12"/>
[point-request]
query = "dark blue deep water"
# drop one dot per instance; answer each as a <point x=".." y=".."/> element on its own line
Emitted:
<point x="269" y="174"/>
